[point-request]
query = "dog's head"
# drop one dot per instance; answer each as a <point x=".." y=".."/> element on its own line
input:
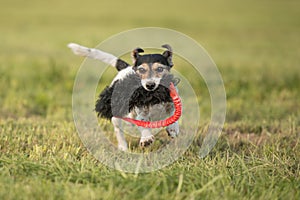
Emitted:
<point x="151" y="68"/>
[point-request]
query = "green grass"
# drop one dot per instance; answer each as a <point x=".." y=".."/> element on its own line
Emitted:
<point x="256" y="46"/>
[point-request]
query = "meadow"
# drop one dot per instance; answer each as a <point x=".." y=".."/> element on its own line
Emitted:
<point x="256" y="46"/>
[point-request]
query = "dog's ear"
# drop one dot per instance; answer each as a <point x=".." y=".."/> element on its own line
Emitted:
<point x="135" y="54"/>
<point x="168" y="54"/>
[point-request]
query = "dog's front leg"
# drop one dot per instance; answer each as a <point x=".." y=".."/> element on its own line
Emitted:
<point x="146" y="136"/>
<point x="122" y="144"/>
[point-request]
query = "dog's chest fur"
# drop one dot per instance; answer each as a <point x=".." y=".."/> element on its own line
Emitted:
<point x="127" y="94"/>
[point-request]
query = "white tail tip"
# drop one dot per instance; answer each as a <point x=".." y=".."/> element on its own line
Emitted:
<point x="79" y="50"/>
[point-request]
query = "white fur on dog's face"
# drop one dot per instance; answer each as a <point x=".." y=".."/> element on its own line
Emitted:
<point x="151" y="74"/>
<point x="148" y="81"/>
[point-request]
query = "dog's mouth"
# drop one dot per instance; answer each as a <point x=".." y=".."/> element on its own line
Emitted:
<point x="150" y="86"/>
<point x="166" y="122"/>
<point x="154" y="83"/>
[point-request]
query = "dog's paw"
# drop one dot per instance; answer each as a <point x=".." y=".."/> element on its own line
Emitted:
<point x="146" y="141"/>
<point x="123" y="147"/>
<point x="173" y="130"/>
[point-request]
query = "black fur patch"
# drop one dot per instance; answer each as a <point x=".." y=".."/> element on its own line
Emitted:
<point x="121" y="64"/>
<point x="151" y="58"/>
<point x="120" y="98"/>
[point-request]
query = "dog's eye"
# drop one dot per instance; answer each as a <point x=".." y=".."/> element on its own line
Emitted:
<point x="142" y="70"/>
<point x="160" y="69"/>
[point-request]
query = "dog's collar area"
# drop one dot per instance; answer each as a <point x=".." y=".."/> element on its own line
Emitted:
<point x="162" y="123"/>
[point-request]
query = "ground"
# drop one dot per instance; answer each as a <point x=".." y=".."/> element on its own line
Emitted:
<point x="255" y="45"/>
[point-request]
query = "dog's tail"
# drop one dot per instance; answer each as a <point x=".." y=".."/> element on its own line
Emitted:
<point x="98" y="55"/>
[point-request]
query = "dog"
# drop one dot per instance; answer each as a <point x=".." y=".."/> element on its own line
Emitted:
<point x="138" y="91"/>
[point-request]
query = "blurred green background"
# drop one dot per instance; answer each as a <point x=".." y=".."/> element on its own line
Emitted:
<point x="256" y="46"/>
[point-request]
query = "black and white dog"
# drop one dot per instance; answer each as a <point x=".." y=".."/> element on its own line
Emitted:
<point x="139" y="91"/>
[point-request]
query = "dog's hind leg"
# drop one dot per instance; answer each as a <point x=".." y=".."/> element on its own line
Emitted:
<point x="173" y="130"/>
<point x="122" y="144"/>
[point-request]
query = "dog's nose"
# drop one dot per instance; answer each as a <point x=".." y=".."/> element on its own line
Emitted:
<point x="150" y="85"/>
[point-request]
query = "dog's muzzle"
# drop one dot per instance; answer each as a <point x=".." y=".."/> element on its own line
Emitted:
<point x="150" y="86"/>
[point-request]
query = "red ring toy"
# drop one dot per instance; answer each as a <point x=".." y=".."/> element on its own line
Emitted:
<point x="166" y="122"/>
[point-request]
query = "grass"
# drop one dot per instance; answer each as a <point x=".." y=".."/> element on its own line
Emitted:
<point x="255" y="44"/>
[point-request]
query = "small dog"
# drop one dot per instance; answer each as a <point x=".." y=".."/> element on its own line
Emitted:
<point x="139" y="91"/>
